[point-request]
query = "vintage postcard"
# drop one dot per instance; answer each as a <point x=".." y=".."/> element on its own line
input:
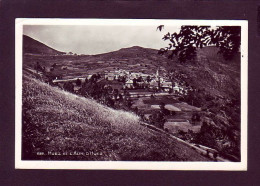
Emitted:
<point x="131" y="94"/>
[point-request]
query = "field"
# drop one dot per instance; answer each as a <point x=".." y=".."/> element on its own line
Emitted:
<point x="58" y="125"/>
<point x="175" y="127"/>
<point x="159" y="100"/>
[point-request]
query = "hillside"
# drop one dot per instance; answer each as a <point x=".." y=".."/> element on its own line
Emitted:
<point x="209" y="71"/>
<point x="31" y="46"/>
<point x="56" y="122"/>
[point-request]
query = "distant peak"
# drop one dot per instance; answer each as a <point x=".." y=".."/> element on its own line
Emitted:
<point x="137" y="47"/>
<point x="134" y="48"/>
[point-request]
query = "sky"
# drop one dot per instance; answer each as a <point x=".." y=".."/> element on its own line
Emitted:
<point x="97" y="39"/>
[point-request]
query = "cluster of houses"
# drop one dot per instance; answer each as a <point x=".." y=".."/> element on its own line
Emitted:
<point x="154" y="82"/>
<point x="123" y="79"/>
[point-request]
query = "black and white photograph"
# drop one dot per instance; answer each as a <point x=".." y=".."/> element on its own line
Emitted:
<point x="148" y="94"/>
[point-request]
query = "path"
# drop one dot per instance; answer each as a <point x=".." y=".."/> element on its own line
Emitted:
<point x="202" y="151"/>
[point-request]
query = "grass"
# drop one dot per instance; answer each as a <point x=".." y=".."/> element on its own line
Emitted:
<point x="57" y="125"/>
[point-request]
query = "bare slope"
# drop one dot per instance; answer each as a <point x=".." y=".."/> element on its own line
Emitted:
<point x="55" y="121"/>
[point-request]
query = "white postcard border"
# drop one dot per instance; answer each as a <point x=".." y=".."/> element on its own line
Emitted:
<point x="127" y="165"/>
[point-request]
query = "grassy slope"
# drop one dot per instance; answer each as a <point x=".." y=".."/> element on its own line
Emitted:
<point x="57" y="121"/>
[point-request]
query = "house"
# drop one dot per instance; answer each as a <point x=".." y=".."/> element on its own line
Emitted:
<point x="112" y="75"/>
<point x="129" y="83"/>
<point x="109" y="76"/>
<point x="144" y="76"/>
<point x="153" y="84"/>
<point x="177" y="88"/>
<point x="166" y="86"/>
<point x="140" y="84"/>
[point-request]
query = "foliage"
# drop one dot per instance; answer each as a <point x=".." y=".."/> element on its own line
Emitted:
<point x="78" y="82"/>
<point x="184" y="44"/>
<point x="195" y="117"/>
<point x="157" y="118"/>
<point x="68" y="86"/>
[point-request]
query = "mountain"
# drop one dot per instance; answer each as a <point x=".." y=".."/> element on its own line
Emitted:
<point x="32" y="46"/>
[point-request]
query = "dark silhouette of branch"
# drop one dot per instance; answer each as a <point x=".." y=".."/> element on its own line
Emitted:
<point x="184" y="44"/>
<point x="160" y="27"/>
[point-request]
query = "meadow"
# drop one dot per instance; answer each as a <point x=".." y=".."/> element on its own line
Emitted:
<point x="57" y="125"/>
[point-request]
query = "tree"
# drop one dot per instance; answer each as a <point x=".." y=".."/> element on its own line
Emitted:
<point x="124" y="79"/>
<point x="157" y="119"/>
<point x="139" y="79"/>
<point x="184" y="44"/>
<point x="121" y="97"/>
<point x="94" y="78"/>
<point x="69" y="86"/>
<point x="163" y="109"/>
<point x="135" y="82"/>
<point x="78" y="82"/>
<point x="162" y="105"/>
<point x="195" y="118"/>
<point x="54" y="65"/>
<point x="38" y="67"/>
<point x="116" y="93"/>
<point x="86" y="80"/>
<point x="148" y="79"/>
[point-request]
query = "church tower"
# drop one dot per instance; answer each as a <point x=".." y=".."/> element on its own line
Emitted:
<point x="158" y="78"/>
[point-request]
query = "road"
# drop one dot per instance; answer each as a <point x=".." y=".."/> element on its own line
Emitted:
<point x="200" y="150"/>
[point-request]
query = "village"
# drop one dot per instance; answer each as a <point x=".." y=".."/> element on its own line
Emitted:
<point x="145" y="94"/>
<point x="125" y="80"/>
<point x="154" y="98"/>
<point x="148" y="95"/>
<point x="159" y="98"/>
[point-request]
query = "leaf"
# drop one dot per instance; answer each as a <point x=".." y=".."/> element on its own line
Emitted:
<point x="160" y="27"/>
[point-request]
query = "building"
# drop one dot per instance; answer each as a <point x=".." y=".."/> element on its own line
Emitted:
<point x="129" y="83"/>
<point x="177" y="88"/>
<point x="154" y="84"/>
<point x="112" y="75"/>
<point x="166" y="85"/>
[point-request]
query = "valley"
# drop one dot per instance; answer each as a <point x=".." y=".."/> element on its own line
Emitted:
<point x="191" y="101"/>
